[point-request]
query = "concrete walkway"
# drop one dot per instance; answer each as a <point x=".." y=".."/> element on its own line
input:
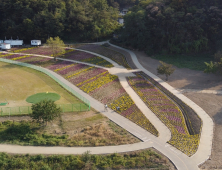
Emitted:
<point x="204" y="150"/>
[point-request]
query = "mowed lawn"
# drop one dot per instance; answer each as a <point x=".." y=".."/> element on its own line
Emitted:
<point x="17" y="83"/>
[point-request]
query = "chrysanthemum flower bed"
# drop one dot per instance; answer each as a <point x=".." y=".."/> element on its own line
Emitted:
<point x="31" y="59"/>
<point x="113" y="55"/>
<point x="42" y="51"/>
<point x="193" y="121"/>
<point x="21" y="50"/>
<point x="168" y="112"/>
<point x="69" y="54"/>
<point x="87" y="58"/>
<point x="39" y="51"/>
<point x="104" y="87"/>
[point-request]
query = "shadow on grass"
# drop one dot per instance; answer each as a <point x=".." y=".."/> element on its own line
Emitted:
<point x="26" y="134"/>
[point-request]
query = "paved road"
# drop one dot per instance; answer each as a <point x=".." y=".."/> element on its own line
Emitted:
<point x="180" y="160"/>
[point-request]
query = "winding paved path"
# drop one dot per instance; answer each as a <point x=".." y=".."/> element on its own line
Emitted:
<point x="204" y="151"/>
<point x="181" y="161"/>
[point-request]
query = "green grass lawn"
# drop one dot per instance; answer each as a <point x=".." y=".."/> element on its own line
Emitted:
<point x="191" y="61"/>
<point x="42" y="96"/>
<point x="17" y="83"/>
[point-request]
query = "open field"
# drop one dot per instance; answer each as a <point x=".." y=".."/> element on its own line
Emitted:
<point x="71" y="129"/>
<point x="17" y="83"/>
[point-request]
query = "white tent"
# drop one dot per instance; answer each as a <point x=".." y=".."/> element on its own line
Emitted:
<point x="5" y="46"/>
<point x="35" y="42"/>
<point x="14" y="42"/>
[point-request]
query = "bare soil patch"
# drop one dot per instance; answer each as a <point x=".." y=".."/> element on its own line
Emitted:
<point x="183" y="77"/>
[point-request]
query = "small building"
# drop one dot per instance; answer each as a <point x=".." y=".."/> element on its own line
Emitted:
<point x="36" y="42"/>
<point x="14" y="42"/>
<point x="120" y="20"/>
<point x="123" y="12"/>
<point x="5" y="46"/>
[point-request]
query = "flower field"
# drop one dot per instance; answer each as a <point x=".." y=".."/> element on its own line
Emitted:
<point x="168" y="112"/>
<point x="104" y="87"/>
<point x="113" y="55"/>
<point x="31" y="59"/>
<point x="68" y="53"/>
<point x="87" y="58"/>
<point x="38" y="50"/>
<point x="192" y="119"/>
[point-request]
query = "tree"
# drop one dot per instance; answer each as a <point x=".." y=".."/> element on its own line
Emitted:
<point x="45" y="111"/>
<point x="56" y="45"/>
<point x="165" y="69"/>
<point x="215" y="67"/>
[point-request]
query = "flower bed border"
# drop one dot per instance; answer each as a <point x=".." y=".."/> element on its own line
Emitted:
<point x="194" y="126"/>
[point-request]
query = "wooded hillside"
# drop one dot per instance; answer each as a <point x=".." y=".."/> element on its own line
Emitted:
<point x="69" y="19"/>
<point x="174" y="26"/>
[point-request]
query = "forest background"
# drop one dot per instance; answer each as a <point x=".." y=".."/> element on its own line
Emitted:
<point x="153" y="26"/>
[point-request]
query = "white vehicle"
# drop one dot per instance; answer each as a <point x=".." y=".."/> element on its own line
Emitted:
<point x="14" y="42"/>
<point x="36" y="42"/>
<point x="1" y="41"/>
<point x="5" y="46"/>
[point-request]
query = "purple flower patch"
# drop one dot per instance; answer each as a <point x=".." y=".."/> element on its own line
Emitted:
<point x="59" y="65"/>
<point x="72" y="69"/>
<point x="129" y="111"/>
<point x="174" y="118"/>
<point x="180" y="129"/>
<point x="91" y="73"/>
<point x="79" y="56"/>
<point x="170" y="110"/>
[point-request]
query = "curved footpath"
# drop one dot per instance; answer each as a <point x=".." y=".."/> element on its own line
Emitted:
<point x="204" y="150"/>
<point x="180" y="160"/>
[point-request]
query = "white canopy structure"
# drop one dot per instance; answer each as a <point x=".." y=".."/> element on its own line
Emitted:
<point x="35" y="42"/>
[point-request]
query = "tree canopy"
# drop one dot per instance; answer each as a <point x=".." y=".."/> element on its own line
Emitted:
<point x="174" y="26"/>
<point x="68" y="19"/>
<point x="45" y="111"/>
<point x="165" y="69"/>
<point x="56" y="45"/>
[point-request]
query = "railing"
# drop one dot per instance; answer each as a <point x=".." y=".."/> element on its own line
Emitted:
<point x="87" y="102"/>
<point x="25" y="110"/>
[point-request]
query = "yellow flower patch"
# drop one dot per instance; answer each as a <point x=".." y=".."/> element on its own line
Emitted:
<point x="67" y="77"/>
<point x="18" y="58"/>
<point x="98" y="83"/>
<point x="92" y="78"/>
<point x="59" y="69"/>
